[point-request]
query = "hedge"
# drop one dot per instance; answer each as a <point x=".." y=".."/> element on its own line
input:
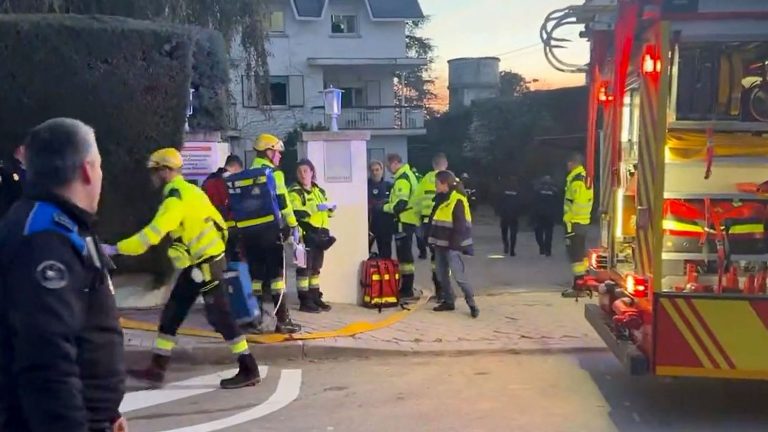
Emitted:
<point x="128" y="79"/>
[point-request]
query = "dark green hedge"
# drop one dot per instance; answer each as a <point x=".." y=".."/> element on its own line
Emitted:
<point x="129" y="79"/>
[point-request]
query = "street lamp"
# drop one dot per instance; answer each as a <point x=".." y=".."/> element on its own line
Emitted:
<point x="332" y="99"/>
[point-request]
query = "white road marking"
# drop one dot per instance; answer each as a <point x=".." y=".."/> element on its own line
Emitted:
<point x="287" y="391"/>
<point x="180" y="390"/>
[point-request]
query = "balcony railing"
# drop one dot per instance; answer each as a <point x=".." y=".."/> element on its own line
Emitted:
<point x="374" y="117"/>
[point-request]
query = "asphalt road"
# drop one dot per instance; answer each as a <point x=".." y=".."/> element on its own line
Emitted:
<point x="553" y="393"/>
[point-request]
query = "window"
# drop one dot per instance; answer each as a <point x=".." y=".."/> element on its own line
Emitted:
<point x="343" y="24"/>
<point x="283" y="91"/>
<point x="353" y="97"/>
<point x="276" y="22"/>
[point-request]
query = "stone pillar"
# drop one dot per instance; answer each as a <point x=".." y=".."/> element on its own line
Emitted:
<point x="340" y="159"/>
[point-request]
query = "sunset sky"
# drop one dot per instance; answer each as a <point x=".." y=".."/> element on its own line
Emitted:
<point x="477" y="28"/>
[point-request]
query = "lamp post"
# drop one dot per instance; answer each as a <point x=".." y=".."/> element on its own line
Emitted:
<point x="332" y="99"/>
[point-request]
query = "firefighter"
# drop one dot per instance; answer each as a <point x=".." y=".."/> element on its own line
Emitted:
<point x="12" y="174"/>
<point x="509" y="206"/>
<point x="381" y="225"/>
<point x="424" y="201"/>
<point x="577" y="212"/>
<point x="450" y="234"/>
<point x="216" y="189"/>
<point x="545" y="209"/>
<point x="407" y="220"/>
<point x="61" y="362"/>
<point x="264" y="249"/>
<point x="312" y="209"/>
<point x="199" y="237"/>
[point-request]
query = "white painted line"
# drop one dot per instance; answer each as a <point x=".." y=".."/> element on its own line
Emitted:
<point x="287" y="391"/>
<point x="180" y="390"/>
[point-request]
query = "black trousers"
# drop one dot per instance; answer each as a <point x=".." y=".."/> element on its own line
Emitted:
<point x="309" y="277"/>
<point x="544" y="228"/>
<point x="509" y="227"/>
<point x="264" y="255"/>
<point x="206" y="279"/>
<point x="576" y="247"/>
<point x="404" y="248"/>
<point x="383" y="242"/>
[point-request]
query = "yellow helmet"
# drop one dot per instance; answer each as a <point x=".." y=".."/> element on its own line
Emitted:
<point x="166" y="157"/>
<point x="268" y="142"/>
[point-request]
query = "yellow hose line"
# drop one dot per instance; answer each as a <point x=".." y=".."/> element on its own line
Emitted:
<point x="351" y="329"/>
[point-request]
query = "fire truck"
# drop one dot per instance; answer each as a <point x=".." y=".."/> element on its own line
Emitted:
<point x="678" y="135"/>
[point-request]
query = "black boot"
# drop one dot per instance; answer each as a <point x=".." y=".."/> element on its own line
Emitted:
<point x="248" y="375"/>
<point x="307" y="303"/>
<point x="506" y="248"/>
<point x="317" y="296"/>
<point x="154" y="374"/>
<point x="284" y="324"/>
<point x="444" y="307"/>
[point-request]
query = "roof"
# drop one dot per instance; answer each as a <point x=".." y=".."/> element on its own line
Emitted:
<point x="379" y="10"/>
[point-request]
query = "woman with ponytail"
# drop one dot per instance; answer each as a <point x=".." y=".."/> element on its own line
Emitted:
<point x="451" y="234"/>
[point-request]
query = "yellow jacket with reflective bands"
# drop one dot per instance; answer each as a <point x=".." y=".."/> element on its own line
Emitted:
<point x="196" y="227"/>
<point x="400" y="198"/>
<point x="577" y="208"/>
<point x="424" y="198"/>
<point x="305" y="202"/>
<point x="452" y="224"/>
<point x="282" y="191"/>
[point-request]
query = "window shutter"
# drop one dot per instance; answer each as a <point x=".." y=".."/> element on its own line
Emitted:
<point x="296" y="90"/>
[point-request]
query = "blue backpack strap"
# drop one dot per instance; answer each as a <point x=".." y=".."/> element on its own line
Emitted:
<point x="47" y="217"/>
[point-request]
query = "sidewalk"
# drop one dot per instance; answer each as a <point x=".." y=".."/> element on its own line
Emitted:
<point x="521" y="311"/>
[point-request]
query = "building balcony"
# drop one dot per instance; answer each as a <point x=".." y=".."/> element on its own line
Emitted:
<point x="380" y="120"/>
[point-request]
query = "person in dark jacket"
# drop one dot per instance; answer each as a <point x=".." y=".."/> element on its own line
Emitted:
<point x="450" y="232"/>
<point x="216" y="188"/>
<point x="509" y="207"/>
<point x="380" y="224"/>
<point x="61" y="345"/>
<point x="12" y="175"/>
<point x="546" y="205"/>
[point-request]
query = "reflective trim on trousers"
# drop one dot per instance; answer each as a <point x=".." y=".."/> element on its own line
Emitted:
<point x="407" y="268"/>
<point x="314" y="282"/>
<point x="277" y="284"/>
<point x="164" y="344"/>
<point x="302" y="283"/>
<point x="256" y="286"/>
<point x="580" y="268"/>
<point x="239" y="346"/>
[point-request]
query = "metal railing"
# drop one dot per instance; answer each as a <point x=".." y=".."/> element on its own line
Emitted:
<point x="374" y="117"/>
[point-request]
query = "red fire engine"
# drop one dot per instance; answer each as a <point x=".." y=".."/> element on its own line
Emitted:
<point x="678" y="110"/>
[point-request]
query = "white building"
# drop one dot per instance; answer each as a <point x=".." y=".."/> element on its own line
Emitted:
<point x="355" y="45"/>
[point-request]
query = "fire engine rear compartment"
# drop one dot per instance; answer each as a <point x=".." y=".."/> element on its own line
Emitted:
<point x="684" y="251"/>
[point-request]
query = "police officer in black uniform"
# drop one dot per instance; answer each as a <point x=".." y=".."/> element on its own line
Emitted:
<point x="380" y="224"/>
<point x="12" y="176"/>
<point x="547" y="205"/>
<point x="61" y="345"/>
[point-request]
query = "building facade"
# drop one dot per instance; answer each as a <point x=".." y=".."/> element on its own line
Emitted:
<point x="354" y="45"/>
<point x="471" y="79"/>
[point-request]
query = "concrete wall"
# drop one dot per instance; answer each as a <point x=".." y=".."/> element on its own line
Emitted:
<point x="471" y="79"/>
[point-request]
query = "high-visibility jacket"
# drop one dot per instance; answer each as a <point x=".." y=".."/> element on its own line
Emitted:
<point x="282" y="191"/>
<point x="424" y="198"/>
<point x="400" y="198"/>
<point x="197" y="228"/>
<point x="305" y="202"/>
<point x="451" y="225"/>
<point x="577" y="208"/>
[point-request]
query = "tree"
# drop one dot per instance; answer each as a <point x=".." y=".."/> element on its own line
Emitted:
<point x="229" y="17"/>
<point x="416" y="87"/>
<point x="291" y="141"/>
<point x="512" y="84"/>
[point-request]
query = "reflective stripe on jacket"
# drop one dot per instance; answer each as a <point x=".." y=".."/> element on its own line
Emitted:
<point x="282" y="191"/>
<point x="400" y="198"/>
<point x="452" y="224"/>
<point x="196" y="226"/>
<point x="424" y="198"/>
<point x="577" y="206"/>
<point x="305" y="204"/>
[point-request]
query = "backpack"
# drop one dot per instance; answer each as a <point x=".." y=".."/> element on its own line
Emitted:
<point x="380" y="281"/>
<point x="253" y="203"/>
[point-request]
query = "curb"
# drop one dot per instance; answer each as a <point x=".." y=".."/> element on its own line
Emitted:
<point x="217" y="353"/>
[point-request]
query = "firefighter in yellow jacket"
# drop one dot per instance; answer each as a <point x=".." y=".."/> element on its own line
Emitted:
<point x="313" y="211"/>
<point x="199" y="236"/>
<point x="264" y="248"/>
<point x="424" y="201"/>
<point x="407" y="219"/>
<point x="577" y="212"/>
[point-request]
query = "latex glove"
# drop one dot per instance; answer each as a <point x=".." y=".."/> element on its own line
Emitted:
<point x="295" y="235"/>
<point x="109" y="250"/>
<point x="326" y="207"/>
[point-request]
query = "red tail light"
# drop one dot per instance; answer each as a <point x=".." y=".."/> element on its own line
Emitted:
<point x="637" y="286"/>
